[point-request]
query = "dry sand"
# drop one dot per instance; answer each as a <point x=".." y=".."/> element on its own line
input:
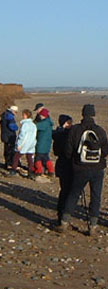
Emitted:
<point x="32" y="255"/>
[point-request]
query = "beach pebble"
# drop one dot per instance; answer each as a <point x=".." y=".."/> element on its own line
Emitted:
<point x="35" y="278"/>
<point x="55" y="259"/>
<point x="29" y="244"/>
<point x="20" y="248"/>
<point x="50" y="270"/>
<point x="47" y="231"/>
<point x="25" y="262"/>
<point x="9" y="262"/>
<point x="100" y="281"/>
<point x="17" y="223"/>
<point x="11" y="241"/>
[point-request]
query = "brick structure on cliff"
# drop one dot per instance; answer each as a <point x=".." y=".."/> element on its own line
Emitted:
<point x="8" y="94"/>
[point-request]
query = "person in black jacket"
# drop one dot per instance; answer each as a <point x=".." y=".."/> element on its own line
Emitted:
<point x="63" y="165"/>
<point x="84" y="172"/>
<point x="8" y="134"/>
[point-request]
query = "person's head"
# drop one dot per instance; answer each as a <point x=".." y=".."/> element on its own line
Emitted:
<point x="88" y="110"/>
<point x="38" y="107"/>
<point x="65" y="121"/>
<point x="44" y="113"/>
<point x="14" y="109"/>
<point x="26" y="113"/>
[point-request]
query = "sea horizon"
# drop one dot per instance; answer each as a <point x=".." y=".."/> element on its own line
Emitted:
<point x="57" y="89"/>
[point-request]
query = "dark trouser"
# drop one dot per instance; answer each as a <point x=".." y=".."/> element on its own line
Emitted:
<point x="42" y="157"/>
<point x="29" y="157"/>
<point x="80" y="179"/>
<point x="65" y="183"/>
<point x="63" y="170"/>
<point x="9" y="151"/>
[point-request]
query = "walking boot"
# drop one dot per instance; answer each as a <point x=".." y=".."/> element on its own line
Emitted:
<point x="31" y="176"/>
<point x="93" y="226"/>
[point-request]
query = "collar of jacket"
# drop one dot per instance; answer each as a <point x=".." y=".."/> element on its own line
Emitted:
<point x="88" y="122"/>
<point x="26" y="120"/>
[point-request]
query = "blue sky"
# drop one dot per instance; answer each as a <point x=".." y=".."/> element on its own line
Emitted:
<point x="54" y="42"/>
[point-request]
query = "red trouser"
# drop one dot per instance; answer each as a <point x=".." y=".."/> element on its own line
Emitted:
<point x="39" y="169"/>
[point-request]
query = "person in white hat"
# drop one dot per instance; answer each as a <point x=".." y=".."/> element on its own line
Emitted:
<point x="8" y="133"/>
<point x="14" y="108"/>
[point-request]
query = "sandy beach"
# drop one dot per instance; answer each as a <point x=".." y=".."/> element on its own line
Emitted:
<point x="32" y="254"/>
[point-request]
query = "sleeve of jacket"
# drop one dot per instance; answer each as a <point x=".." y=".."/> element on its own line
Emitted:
<point x="104" y="143"/>
<point x="23" y="135"/>
<point x="58" y="142"/>
<point x="11" y="122"/>
<point x="69" y="144"/>
<point x="13" y="126"/>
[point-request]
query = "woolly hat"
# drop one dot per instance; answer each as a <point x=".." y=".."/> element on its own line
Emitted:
<point x="44" y="112"/>
<point x="14" y="108"/>
<point x="88" y="110"/>
<point x="38" y="105"/>
<point x="63" y="118"/>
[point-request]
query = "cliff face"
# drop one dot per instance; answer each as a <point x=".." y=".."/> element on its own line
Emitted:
<point x="11" y="89"/>
<point x="8" y="94"/>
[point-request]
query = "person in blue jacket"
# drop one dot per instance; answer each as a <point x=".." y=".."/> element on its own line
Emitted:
<point x="43" y="146"/>
<point x="8" y="133"/>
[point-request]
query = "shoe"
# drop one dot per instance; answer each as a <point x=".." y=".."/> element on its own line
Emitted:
<point x="93" y="221"/>
<point x="92" y="230"/>
<point x="62" y="227"/>
<point x="64" y="224"/>
<point x="5" y="166"/>
<point x="31" y="176"/>
<point x="23" y="173"/>
<point x="67" y="218"/>
<point x="38" y="174"/>
<point x="50" y="175"/>
<point x="13" y="173"/>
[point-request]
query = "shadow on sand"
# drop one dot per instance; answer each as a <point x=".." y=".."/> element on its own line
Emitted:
<point x="43" y="200"/>
<point x="31" y="196"/>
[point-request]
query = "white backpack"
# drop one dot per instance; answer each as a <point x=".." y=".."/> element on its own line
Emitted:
<point x="89" y="147"/>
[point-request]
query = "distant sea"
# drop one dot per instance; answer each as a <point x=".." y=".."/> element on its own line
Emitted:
<point x="59" y="89"/>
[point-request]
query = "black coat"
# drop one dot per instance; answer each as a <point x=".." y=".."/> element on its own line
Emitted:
<point x="74" y="140"/>
<point x="63" y="165"/>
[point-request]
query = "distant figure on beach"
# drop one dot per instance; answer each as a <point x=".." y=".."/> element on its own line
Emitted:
<point x="87" y="147"/>
<point x="25" y="144"/>
<point x="63" y="166"/>
<point x="37" y="109"/>
<point x="43" y="146"/>
<point x="8" y="134"/>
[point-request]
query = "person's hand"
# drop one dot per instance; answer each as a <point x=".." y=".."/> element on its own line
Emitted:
<point x="18" y="148"/>
<point x="67" y="124"/>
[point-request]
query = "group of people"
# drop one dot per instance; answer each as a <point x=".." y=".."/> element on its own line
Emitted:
<point x="80" y="151"/>
<point x="33" y="140"/>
